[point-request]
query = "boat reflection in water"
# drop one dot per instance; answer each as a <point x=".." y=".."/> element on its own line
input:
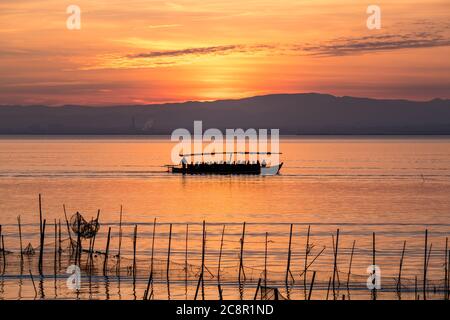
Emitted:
<point x="224" y="167"/>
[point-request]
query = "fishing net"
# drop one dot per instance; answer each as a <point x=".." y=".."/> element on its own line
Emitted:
<point x="29" y="250"/>
<point x="83" y="228"/>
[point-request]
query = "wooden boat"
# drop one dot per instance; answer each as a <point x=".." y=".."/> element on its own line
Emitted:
<point x="225" y="168"/>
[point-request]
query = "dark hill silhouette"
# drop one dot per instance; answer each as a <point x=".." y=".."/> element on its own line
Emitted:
<point x="309" y="113"/>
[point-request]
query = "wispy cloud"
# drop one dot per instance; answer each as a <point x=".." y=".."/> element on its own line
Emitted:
<point x="382" y="42"/>
<point x="164" y="26"/>
<point x="188" y="51"/>
<point x="166" y="58"/>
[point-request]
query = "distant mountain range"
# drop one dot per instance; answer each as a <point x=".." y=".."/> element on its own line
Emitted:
<point x="293" y="114"/>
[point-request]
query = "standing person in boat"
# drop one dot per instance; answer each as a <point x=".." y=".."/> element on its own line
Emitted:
<point x="184" y="163"/>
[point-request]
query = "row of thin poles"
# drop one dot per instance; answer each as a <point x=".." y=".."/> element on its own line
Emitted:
<point x="334" y="281"/>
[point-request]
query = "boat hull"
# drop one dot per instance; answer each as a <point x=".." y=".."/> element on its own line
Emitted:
<point x="228" y="170"/>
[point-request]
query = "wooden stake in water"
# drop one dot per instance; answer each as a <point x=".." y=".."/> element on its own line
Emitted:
<point x="219" y="264"/>
<point x="200" y="279"/>
<point x="241" y="256"/>
<point x="203" y="258"/>
<point x="445" y="270"/>
<point x="288" y="266"/>
<point x="59" y="240"/>
<point x="120" y="237"/>
<point x="150" y="278"/>
<point x="328" y="289"/>
<point x="40" y="235"/>
<point x="68" y="228"/>
<point x="350" y="264"/>
<point x="415" y="288"/>
<point x="448" y="276"/>
<point x="312" y="285"/>
<point x="257" y="289"/>
<point x="40" y="214"/>
<point x="79" y="249"/>
<point x="335" y="263"/>
<point x="55" y="256"/>
<point x="399" y="282"/>
<point x="41" y="248"/>
<point x="265" y="262"/>
<point x="425" y="262"/>
<point x="374" y="291"/>
<point x="168" y="261"/>
<point x="3" y="253"/>
<point x="105" y="262"/>
<point x="306" y="261"/>
<point x="1" y="248"/>
<point x="34" y="285"/>
<point x="186" y="260"/>
<point x="134" y="255"/>
<point x="20" y="240"/>
<point x="92" y="244"/>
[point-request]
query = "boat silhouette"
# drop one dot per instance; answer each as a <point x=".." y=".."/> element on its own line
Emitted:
<point x="224" y="167"/>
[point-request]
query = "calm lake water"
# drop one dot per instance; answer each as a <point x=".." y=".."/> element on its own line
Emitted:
<point x="395" y="187"/>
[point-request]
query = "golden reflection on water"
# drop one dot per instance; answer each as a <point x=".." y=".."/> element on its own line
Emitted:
<point x="393" y="187"/>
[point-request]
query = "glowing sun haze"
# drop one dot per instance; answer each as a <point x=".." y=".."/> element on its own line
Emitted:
<point x="140" y="51"/>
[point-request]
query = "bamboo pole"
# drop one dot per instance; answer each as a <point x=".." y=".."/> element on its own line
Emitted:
<point x="265" y="262"/>
<point x="448" y="276"/>
<point x="41" y="249"/>
<point x="120" y="237"/>
<point x="200" y="278"/>
<point x="92" y="244"/>
<point x="79" y="249"/>
<point x="134" y="254"/>
<point x="150" y="278"/>
<point x="288" y="266"/>
<point x="55" y="256"/>
<point x="219" y="264"/>
<point x="186" y="260"/>
<point x="373" y="263"/>
<point x="415" y="288"/>
<point x="328" y="290"/>
<point x="350" y="264"/>
<point x="168" y="261"/>
<point x="34" y="285"/>
<point x="40" y="214"/>
<point x="399" y="282"/>
<point x="312" y="285"/>
<point x="203" y="259"/>
<point x="445" y="269"/>
<point x="257" y="289"/>
<point x="68" y="228"/>
<point x="425" y="266"/>
<point x="59" y="240"/>
<point x="105" y="261"/>
<point x="3" y="254"/>
<point x="1" y="248"/>
<point x="20" y="240"/>
<point x="306" y="261"/>
<point x="313" y="260"/>
<point x="40" y="234"/>
<point x="334" y="250"/>
<point x="335" y="263"/>
<point x="241" y="256"/>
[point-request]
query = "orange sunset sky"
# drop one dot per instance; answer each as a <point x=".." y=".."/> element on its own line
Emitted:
<point x="145" y="51"/>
